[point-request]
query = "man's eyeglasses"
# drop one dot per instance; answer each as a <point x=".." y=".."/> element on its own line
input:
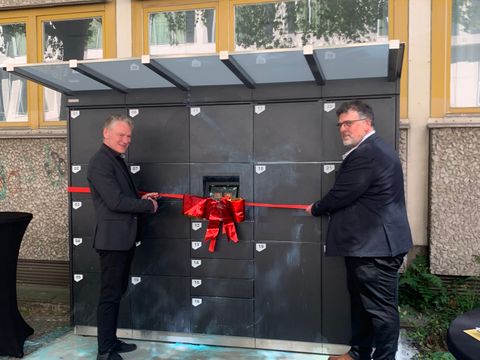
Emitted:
<point x="348" y="123"/>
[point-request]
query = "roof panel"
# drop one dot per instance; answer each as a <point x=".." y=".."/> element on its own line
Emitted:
<point x="199" y="70"/>
<point x="275" y="66"/>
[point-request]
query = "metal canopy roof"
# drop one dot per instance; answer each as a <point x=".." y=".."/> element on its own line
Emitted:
<point x="249" y="68"/>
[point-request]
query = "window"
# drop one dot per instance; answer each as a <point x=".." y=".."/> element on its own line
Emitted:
<point x="465" y="54"/>
<point x="182" y="32"/>
<point x="294" y="24"/>
<point x="64" y="40"/>
<point x="58" y="33"/>
<point x="455" y="57"/>
<point x="13" y="94"/>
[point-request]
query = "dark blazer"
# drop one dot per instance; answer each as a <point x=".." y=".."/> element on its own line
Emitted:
<point x="116" y="202"/>
<point x="366" y="204"/>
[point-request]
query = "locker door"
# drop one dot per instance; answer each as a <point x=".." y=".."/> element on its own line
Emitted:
<point x="288" y="291"/>
<point x="160" y="135"/>
<point x="85" y="129"/>
<point x="384" y="110"/>
<point x="291" y="183"/>
<point x="84" y="256"/>
<point x="82" y="215"/>
<point x="86" y="290"/>
<point x="288" y="132"/>
<point x="160" y="303"/>
<point x="335" y="297"/>
<point x="221" y="133"/>
<point x="169" y="222"/>
<point x="222" y="316"/>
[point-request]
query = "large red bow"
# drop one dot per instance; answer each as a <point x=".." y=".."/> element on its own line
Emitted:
<point x="224" y="211"/>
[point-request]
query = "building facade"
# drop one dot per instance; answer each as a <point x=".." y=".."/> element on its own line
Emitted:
<point x="439" y="102"/>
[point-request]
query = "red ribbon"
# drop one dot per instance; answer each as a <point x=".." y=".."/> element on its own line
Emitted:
<point x="224" y="211"/>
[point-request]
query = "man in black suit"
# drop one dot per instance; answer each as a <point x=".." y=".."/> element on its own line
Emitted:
<point x="368" y="225"/>
<point x="117" y="208"/>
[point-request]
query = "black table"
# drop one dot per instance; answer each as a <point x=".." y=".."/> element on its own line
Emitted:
<point x="460" y="344"/>
<point x="13" y="329"/>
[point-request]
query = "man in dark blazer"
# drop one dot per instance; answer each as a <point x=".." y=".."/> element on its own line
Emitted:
<point x="368" y="225"/>
<point x="117" y="208"/>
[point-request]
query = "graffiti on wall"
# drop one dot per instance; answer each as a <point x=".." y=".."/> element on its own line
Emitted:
<point x="23" y="173"/>
<point x="55" y="166"/>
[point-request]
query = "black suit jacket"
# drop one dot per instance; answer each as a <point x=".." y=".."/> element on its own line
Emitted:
<point x="116" y="202"/>
<point x="366" y="204"/>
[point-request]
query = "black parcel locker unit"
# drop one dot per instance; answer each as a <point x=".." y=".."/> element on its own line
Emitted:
<point x="269" y="142"/>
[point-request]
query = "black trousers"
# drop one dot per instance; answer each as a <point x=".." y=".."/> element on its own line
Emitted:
<point x="115" y="270"/>
<point x="373" y="286"/>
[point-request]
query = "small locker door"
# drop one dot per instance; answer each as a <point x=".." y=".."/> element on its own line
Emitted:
<point x="335" y="297"/>
<point x="384" y="110"/>
<point x="160" y="135"/>
<point x="291" y="183"/>
<point x="160" y="303"/>
<point x="221" y="133"/>
<point x="288" y="291"/>
<point x="288" y="132"/>
<point x="86" y="132"/>
<point x="86" y="290"/>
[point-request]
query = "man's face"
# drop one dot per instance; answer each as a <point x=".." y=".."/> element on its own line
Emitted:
<point x="118" y="136"/>
<point x="353" y="128"/>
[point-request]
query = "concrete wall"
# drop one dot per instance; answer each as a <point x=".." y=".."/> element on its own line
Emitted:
<point x="33" y="178"/>
<point x="454" y="204"/>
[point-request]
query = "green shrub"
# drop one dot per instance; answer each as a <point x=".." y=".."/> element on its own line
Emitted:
<point x="433" y="306"/>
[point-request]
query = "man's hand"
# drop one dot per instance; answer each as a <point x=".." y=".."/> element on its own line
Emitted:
<point x="155" y="204"/>
<point x="152" y="195"/>
<point x="309" y="209"/>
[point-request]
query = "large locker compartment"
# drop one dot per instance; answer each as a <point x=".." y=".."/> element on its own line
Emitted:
<point x="261" y="128"/>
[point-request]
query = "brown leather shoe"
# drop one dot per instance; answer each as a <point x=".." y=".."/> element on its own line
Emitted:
<point x="340" y="357"/>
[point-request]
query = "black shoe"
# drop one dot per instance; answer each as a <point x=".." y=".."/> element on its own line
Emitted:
<point x="123" y="347"/>
<point x="111" y="355"/>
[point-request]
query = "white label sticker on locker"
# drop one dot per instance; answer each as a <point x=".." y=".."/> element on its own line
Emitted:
<point x="260" y="247"/>
<point x="138" y="243"/>
<point x="133" y="112"/>
<point x="77" y="241"/>
<point x="259" y="109"/>
<point x="196" y="245"/>
<point x="327" y="169"/>
<point x="327" y="107"/>
<point x="134" y="169"/>
<point x="77" y="277"/>
<point x="260" y="169"/>
<point x="196" y="225"/>
<point x="194" y="111"/>
<point x="196" y="282"/>
<point x="134" y="67"/>
<point x="196" y="263"/>
<point x="74" y="114"/>
<point x="76" y="205"/>
<point x="136" y="280"/>
<point x="196" y="302"/>
<point x="76" y="168"/>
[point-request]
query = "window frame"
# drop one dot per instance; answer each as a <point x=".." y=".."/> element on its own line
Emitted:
<point x="142" y="9"/>
<point x="174" y="8"/>
<point x="33" y="18"/>
<point x="441" y="63"/>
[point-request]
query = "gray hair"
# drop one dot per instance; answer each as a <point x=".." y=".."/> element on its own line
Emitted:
<point x="116" y="118"/>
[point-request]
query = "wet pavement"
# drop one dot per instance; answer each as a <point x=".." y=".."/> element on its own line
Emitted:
<point x="46" y="309"/>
